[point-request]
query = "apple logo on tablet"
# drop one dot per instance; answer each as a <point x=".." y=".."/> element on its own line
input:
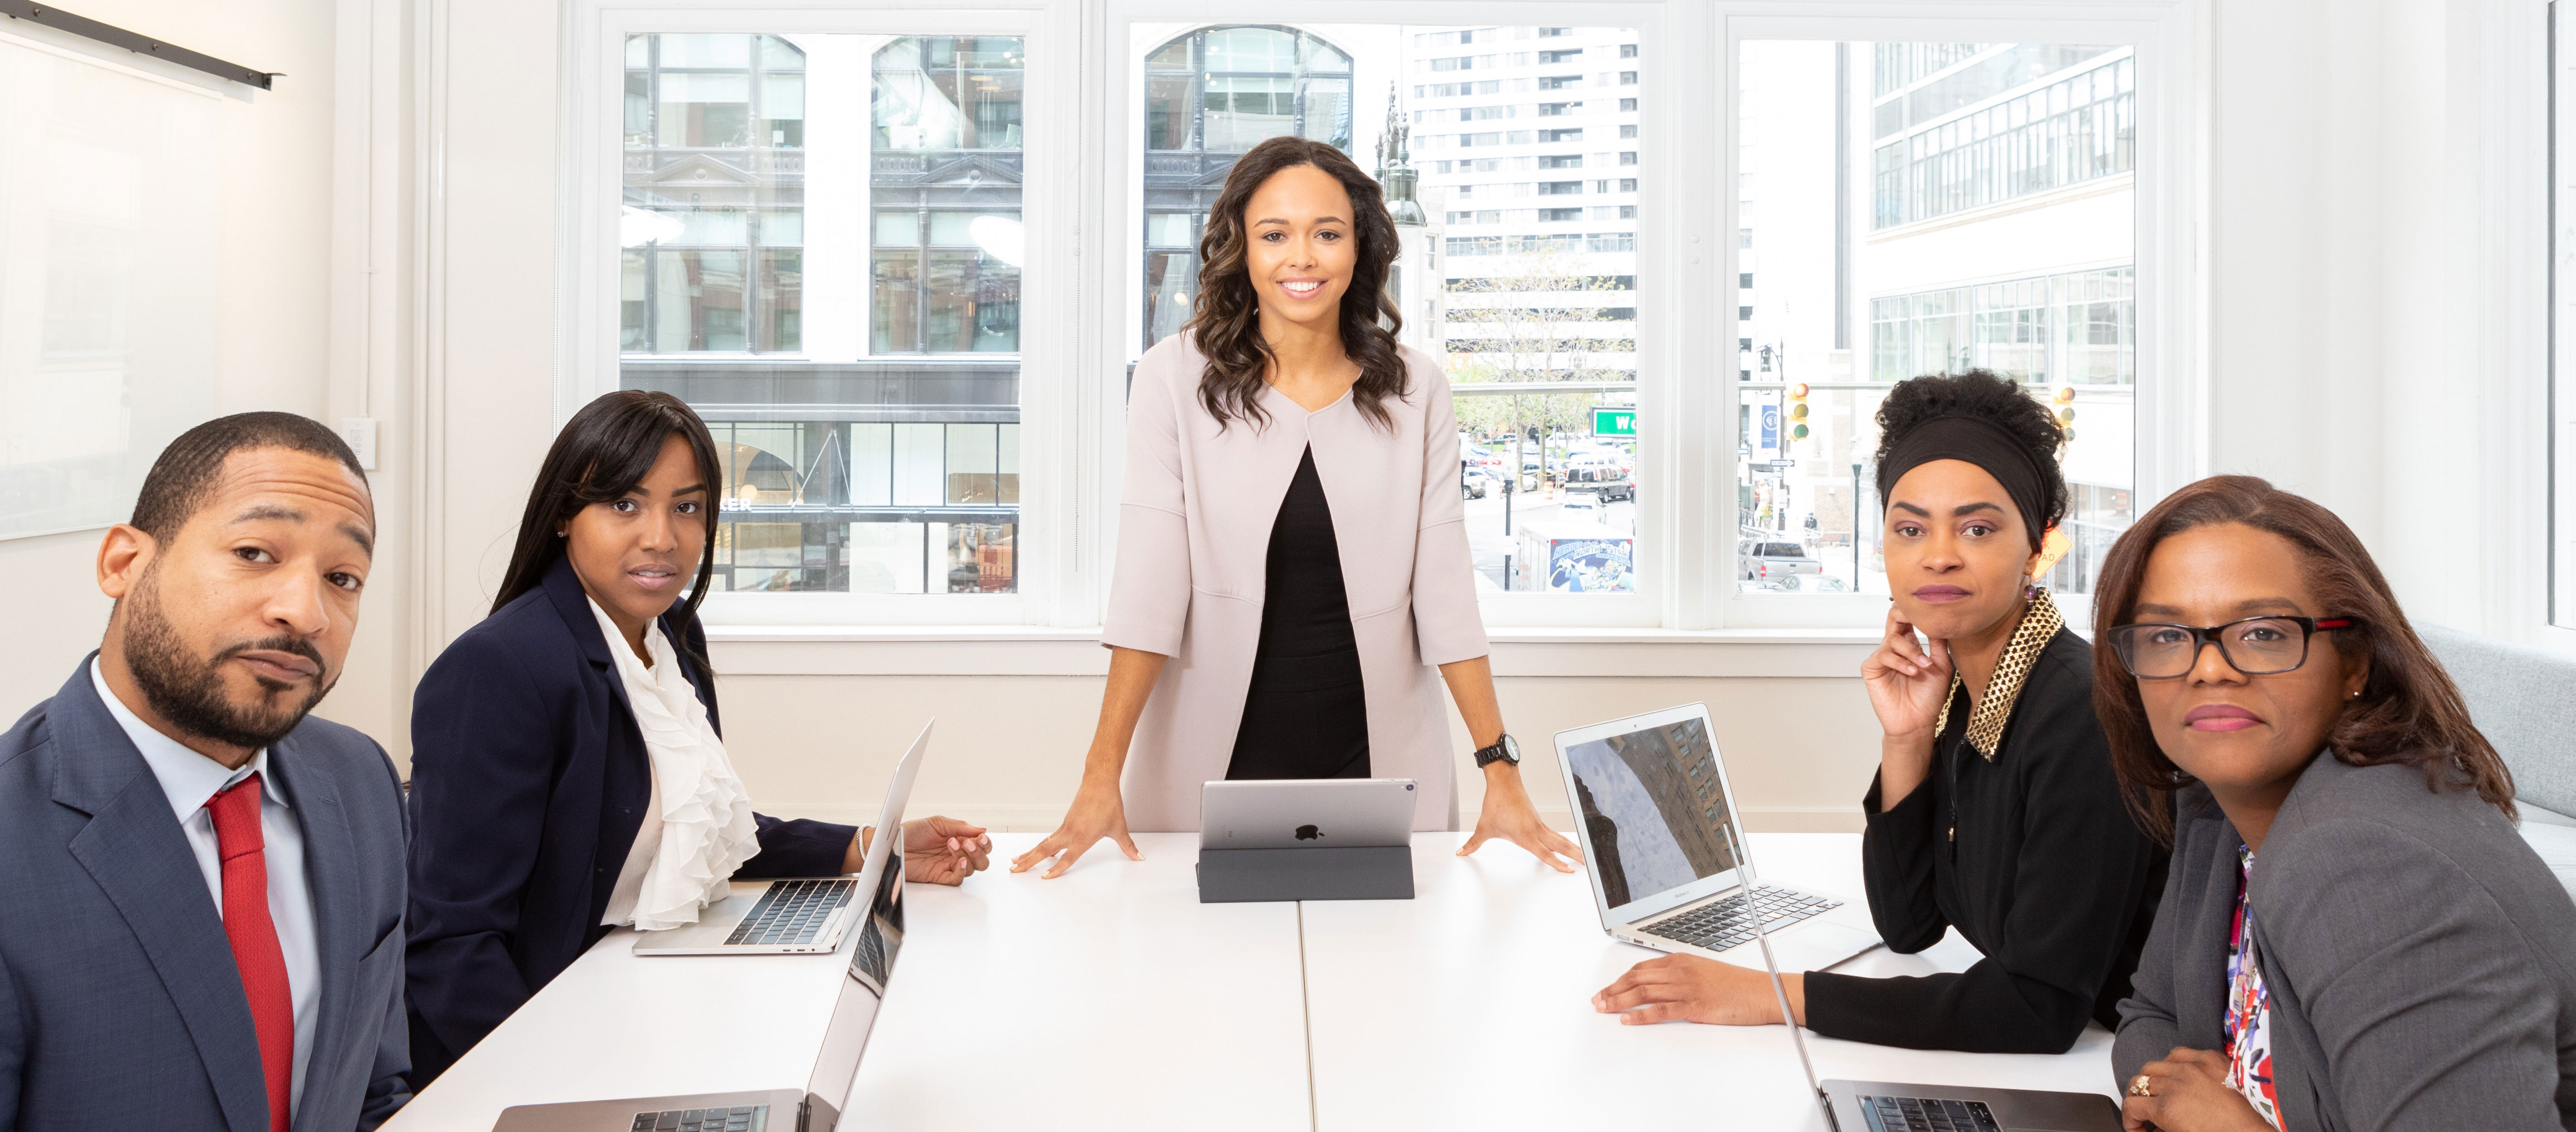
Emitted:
<point x="1308" y="833"/>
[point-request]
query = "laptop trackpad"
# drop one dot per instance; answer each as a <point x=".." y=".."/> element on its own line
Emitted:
<point x="1816" y="946"/>
<point x="2033" y="1111"/>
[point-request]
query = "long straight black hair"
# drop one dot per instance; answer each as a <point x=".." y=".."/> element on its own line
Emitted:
<point x="602" y="453"/>
<point x="1225" y="323"/>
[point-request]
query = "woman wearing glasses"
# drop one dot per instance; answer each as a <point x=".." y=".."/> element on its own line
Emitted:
<point x="1995" y="810"/>
<point x="2353" y="936"/>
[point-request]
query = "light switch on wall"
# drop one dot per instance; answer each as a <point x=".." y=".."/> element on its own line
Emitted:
<point x="360" y="432"/>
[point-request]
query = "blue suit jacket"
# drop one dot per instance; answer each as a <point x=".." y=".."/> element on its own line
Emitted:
<point x="528" y="782"/>
<point x="120" y="1005"/>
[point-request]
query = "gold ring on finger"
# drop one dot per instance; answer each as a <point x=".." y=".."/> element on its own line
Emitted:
<point x="2141" y="1086"/>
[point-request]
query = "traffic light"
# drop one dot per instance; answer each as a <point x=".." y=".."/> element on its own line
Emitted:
<point x="1798" y="411"/>
<point x="2065" y="412"/>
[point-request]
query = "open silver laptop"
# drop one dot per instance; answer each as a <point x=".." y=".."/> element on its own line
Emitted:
<point x="1657" y="824"/>
<point x="787" y="917"/>
<point x="816" y="1107"/>
<point x="1886" y="1106"/>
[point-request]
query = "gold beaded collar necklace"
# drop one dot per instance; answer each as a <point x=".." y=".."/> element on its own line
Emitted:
<point x="2039" y="624"/>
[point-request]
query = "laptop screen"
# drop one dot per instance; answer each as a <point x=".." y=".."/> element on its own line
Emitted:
<point x="881" y="934"/>
<point x="1653" y="808"/>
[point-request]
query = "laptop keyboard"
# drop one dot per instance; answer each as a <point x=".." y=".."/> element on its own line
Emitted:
<point x="741" y="1118"/>
<point x="792" y="911"/>
<point x="1913" y="1114"/>
<point x="1721" y="924"/>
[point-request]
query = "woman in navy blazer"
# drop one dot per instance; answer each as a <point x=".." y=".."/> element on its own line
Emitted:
<point x="530" y="776"/>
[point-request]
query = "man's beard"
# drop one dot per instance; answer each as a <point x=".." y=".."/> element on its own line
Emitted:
<point x="188" y="694"/>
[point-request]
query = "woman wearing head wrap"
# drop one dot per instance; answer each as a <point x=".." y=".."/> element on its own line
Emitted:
<point x="1995" y="809"/>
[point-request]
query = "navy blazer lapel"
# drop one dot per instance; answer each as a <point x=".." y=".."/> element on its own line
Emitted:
<point x="331" y="875"/>
<point x="134" y="849"/>
<point x="572" y="603"/>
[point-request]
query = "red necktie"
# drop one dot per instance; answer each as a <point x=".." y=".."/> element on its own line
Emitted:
<point x="254" y="939"/>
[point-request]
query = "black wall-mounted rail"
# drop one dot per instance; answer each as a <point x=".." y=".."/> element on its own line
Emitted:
<point x="113" y="36"/>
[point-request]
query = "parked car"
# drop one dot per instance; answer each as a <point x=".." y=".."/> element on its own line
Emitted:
<point x="1477" y="484"/>
<point x="1608" y="490"/>
<point x="1778" y="565"/>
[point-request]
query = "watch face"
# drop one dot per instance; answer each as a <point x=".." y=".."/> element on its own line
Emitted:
<point x="1512" y="750"/>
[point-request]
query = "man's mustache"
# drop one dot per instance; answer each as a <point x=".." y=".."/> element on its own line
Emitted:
<point x="300" y="646"/>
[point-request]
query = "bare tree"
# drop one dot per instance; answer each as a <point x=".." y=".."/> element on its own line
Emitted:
<point x="1530" y="323"/>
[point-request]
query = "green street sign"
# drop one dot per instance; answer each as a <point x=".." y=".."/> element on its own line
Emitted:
<point x="1614" y="422"/>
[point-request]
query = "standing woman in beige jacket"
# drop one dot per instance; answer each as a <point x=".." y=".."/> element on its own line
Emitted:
<point x="1292" y="549"/>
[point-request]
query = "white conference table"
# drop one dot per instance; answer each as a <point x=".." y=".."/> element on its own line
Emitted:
<point x="1110" y="998"/>
<point x="1470" y="1006"/>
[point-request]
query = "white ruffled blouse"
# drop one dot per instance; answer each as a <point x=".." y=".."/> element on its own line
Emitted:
<point x="697" y="828"/>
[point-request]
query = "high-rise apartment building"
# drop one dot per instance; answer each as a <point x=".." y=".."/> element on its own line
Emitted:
<point x="1526" y="138"/>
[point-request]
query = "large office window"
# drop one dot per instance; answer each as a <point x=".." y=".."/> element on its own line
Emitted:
<point x="830" y="247"/>
<point x="1520" y="148"/>
<point x="1844" y="147"/>
<point x="870" y="428"/>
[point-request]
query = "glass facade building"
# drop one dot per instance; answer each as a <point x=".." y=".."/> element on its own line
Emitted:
<point x="870" y="432"/>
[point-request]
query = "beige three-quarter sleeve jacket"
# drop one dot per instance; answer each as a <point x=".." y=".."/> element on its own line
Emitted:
<point x="1193" y="546"/>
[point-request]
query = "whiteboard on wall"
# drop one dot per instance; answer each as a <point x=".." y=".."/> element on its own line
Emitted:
<point x="109" y="191"/>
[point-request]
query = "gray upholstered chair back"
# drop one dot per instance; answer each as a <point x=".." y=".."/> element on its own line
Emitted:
<point x="2525" y="701"/>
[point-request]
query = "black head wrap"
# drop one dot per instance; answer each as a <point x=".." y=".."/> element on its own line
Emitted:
<point x="1978" y="441"/>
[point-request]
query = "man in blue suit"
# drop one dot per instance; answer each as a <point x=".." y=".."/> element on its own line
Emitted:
<point x="201" y="906"/>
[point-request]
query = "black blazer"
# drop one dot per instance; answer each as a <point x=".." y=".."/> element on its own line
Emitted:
<point x="529" y="781"/>
<point x="2047" y="876"/>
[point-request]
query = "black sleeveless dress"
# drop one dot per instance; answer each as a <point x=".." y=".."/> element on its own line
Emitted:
<point x="1306" y="714"/>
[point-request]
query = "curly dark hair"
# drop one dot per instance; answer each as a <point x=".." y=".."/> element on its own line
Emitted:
<point x="1225" y="319"/>
<point x="1985" y="395"/>
<point x="2409" y="711"/>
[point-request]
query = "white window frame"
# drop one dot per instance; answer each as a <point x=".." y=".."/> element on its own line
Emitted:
<point x="1084" y="111"/>
<point x="1046" y="543"/>
<point x="2553" y="559"/>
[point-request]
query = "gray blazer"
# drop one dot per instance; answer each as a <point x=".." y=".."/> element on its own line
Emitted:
<point x="2421" y="959"/>
<point x="120" y="1005"/>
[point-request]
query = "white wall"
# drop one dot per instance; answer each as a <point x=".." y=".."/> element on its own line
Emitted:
<point x="2368" y="345"/>
<point x="272" y="350"/>
<point x="2351" y="254"/>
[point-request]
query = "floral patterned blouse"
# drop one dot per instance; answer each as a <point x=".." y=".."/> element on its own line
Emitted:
<point x="2249" y="1009"/>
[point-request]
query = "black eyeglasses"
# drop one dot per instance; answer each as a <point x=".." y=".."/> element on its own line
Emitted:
<point x="2255" y="646"/>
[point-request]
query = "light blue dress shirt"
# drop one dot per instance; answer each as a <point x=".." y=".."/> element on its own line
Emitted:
<point x="189" y="780"/>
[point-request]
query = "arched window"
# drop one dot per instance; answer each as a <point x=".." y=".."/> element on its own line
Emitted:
<point x="1209" y="96"/>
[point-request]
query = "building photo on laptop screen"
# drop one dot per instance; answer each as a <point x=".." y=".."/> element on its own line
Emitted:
<point x="1654" y="809"/>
